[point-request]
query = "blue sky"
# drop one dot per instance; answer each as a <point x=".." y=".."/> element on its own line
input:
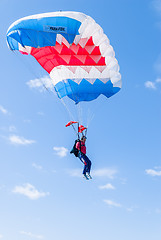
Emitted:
<point x="42" y="192"/>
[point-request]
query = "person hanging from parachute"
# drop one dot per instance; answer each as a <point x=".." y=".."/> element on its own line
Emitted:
<point x="77" y="55"/>
<point x="79" y="149"/>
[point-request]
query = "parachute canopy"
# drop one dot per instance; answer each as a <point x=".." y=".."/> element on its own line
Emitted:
<point x="73" y="49"/>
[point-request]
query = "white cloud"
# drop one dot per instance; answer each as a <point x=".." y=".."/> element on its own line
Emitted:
<point x="1" y="236"/>
<point x="107" y="186"/>
<point x="29" y="191"/>
<point x="3" y="110"/>
<point x="153" y="172"/>
<point x="38" y="167"/>
<point x="31" y="235"/>
<point x="158" y="80"/>
<point x="153" y="85"/>
<point x="111" y="203"/>
<point x="41" y="83"/>
<point x="105" y="172"/>
<point x="150" y="84"/>
<point x="61" y="151"/>
<point x="17" y="140"/>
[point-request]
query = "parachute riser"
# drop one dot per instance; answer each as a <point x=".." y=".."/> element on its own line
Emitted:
<point x="82" y="134"/>
<point x="74" y="129"/>
<point x="79" y="131"/>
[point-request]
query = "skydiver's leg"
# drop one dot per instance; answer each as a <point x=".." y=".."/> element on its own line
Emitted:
<point x="85" y="169"/>
<point x="87" y="166"/>
<point x="88" y="162"/>
<point x="82" y="158"/>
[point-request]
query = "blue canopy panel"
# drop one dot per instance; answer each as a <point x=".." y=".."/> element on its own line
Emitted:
<point x="42" y="32"/>
<point x="85" y="91"/>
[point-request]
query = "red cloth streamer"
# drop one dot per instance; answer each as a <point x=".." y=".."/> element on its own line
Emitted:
<point x="81" y="128"/>
<point x="70" y="123"/>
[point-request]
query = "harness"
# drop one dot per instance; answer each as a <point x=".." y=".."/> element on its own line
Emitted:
<point x="80" y="130"/>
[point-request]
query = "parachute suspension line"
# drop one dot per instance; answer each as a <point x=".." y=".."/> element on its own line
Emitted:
<point x="97" y="109"/>
<point x="79" y="113"/>
<point x="26" y="64"/>
<point x="86" y="132"/>
<point x="90" y="118"/>
<point x="65" y="105"/>
<point x="84" y="114"/>
<point x="29" y="66"/>
<point x="67" y="109"/>
<point x="75" y="131"/>
<point x="74" y="96"/>
<point x="30" y="69"/>
<point x="79" y="108"/>
<point x="70" y="116"/>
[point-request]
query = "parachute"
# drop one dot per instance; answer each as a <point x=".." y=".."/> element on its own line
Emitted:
<point x="73" y="49"/>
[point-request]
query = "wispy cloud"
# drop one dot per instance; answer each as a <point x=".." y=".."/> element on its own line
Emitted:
<point x="105" y="172"/>
<point x="31" y="235"/>
<point x="9" y="129"/>
<point x="61" y="151"/>
<point x="29" y="191"/>
<point x="1" y="236"/>
<point x="131" y="209"/>
<point x="153" y="172"/>
<point x="38" y="167"/>
<point x="158" y="80"/>
<point x="17" y="140"/>
<point x="41" y="83"/>
<point x="111" y="203"/>
<point x="107" y="186"/>
<point x="151" y="85"/>
<point x="3" y="110"/>
<point x="40" y="113"/>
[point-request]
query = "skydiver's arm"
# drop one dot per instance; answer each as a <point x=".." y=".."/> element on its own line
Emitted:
<point x="78" y="145"/>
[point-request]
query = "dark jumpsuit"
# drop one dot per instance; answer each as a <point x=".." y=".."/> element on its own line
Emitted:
<point x="83" y="157"/>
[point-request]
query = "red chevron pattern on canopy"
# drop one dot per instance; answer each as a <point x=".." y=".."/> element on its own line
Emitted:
<point x="85" y="53"/>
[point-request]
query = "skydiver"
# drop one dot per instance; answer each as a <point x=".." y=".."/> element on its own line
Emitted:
<point x="80" y="145"/>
